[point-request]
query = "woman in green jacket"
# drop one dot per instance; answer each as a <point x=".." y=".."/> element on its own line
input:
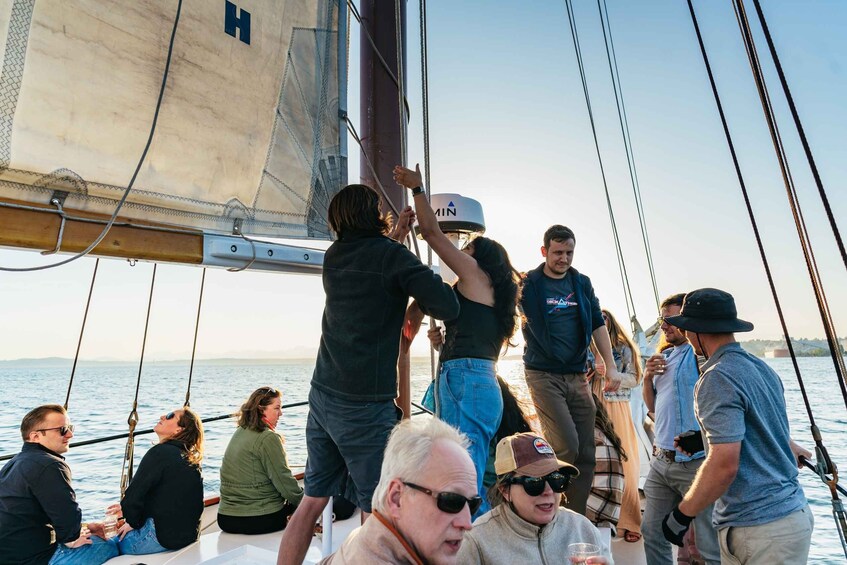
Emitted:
<point x="258" y="491"/>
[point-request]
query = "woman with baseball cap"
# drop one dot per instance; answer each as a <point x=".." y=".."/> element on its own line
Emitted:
<point x="527" y="523"/>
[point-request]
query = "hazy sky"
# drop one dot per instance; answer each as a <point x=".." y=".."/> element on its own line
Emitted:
<point x="509" y="128"/>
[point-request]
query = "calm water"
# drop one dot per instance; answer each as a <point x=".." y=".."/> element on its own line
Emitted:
<point x="102" y="398"/>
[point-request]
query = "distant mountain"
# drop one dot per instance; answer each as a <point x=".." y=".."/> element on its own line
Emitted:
<point x="65" y="363"/>
<point x="802" y="347"/>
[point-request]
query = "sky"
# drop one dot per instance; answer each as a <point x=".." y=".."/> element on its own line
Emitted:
<point x="509" y="128"/>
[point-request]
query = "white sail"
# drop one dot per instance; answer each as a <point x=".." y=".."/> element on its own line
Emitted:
<point x="249" y="128"/>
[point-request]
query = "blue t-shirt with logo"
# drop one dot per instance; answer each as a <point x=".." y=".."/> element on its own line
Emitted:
<point x="563" y="321"/>
<point x="740" y="399"/>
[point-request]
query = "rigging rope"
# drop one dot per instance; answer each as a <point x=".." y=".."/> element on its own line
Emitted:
<point x="611" y="57"/>
<point x="194" y="347"/>
<point x="129" y="186"/>
<point x="401" y="82"/>
<point x="822" y="455"/>
<point x="630" y="304"/>
<point x="7" y="456"/>
<point x="801" y="132"/>
<point x="427" y="170"/>
<point x="81" y="331"/>
<point x="794" y="201"/>
<point x="132" y="420"/>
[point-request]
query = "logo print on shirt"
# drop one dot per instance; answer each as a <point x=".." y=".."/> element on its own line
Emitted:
<point x="560" y="303"/>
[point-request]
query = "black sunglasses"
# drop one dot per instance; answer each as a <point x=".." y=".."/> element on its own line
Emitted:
<point x="170" y="415"/>
<point x="450" y="502"/>
<point x="63" y="430"/>
<point x="534" y="486"/>
<point x="266" y="390"/>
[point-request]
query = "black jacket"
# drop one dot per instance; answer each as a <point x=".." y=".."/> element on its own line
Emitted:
<point x="368" y="279"/>
<point x="169" y="489"/>
<point x="538" y="350"/>
<point x="37" y="506"/>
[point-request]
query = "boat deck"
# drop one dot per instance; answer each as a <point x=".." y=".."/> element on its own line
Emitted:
<point x="217" y="547"/>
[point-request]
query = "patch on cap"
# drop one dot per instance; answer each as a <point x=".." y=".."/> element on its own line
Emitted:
<point x="541" y="446"/>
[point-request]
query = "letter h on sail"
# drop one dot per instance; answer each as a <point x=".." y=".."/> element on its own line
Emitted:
<point x="233" y="21"/>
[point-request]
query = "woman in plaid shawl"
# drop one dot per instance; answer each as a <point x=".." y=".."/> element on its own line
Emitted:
<point x="604" y="500"/>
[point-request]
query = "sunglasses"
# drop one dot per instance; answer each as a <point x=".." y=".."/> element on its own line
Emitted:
<point x="534" y="486"/>
<point x="63" y="430"/>
<point x="267" y="390"/>
<point x="450" y="502"/>
<point x="170" y="415"/>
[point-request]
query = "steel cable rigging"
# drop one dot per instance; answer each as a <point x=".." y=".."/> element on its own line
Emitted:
<point x="793" y="199"/>
<point x="605" y="23"/>
<point x="630" y="304"/>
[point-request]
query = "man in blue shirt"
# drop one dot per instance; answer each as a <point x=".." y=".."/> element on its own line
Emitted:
<point x="561" y="316"/>
<point x="669" y="381"/>
<point x="751" y="467"/>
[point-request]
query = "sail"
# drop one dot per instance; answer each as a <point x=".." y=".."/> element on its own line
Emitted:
<point x="249" y="133"/>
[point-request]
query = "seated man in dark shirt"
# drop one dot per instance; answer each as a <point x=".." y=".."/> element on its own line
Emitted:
<point x="40" y="521"/>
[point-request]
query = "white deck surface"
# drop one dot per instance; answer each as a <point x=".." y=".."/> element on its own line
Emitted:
<point x="218" y="548"/>
<point x="214" y="543"/>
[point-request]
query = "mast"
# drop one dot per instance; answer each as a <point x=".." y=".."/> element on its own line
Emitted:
<point x="382" y="122"/>
<point x="382" y="48"/>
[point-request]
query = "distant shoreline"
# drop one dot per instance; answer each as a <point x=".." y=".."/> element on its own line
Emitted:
<point x="66" y="362"/>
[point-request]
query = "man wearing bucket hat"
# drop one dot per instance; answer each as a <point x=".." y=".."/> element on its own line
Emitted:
<point x="750" y="472"/>
<point x="527" y="523"/>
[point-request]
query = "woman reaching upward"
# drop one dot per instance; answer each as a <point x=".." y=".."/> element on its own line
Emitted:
<point x="467" y="394"/>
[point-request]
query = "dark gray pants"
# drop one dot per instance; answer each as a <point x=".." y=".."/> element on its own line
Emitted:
<point x="566" y="410"/>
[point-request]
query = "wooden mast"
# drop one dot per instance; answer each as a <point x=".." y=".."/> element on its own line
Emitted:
<point x="382" y="121"/>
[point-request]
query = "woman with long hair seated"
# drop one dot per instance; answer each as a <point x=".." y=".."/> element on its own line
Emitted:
<point x="258" y="491"/>
<point x="528" y="523"/>
<point x="164" y="501"/>
<point x="467" y="394"/>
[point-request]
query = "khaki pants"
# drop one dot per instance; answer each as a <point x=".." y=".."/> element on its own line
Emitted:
<point x="566" y="410"/>
<point x="785" y="541"/>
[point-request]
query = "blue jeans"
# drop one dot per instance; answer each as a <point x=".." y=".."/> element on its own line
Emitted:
<point x="141" y="541"/>
<point x="469" y="398"/>
<point x="98" y="552"/>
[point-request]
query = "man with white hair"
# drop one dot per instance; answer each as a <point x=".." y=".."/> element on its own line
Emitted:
<point x="423" y="503"/>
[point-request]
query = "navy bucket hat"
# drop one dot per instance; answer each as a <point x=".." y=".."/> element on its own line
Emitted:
<point x="709" y="311"/>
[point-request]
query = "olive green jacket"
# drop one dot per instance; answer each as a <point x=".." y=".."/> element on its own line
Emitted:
<point x="255" y="478"/>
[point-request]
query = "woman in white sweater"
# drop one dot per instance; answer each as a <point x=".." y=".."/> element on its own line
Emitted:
<point x="527" y="524"/>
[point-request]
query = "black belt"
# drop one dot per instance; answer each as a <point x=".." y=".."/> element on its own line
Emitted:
<point x="667" y="454"/>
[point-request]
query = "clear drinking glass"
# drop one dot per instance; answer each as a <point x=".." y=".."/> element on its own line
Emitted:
<point x="579" y="552"/>
<point x="110" y="522"/>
